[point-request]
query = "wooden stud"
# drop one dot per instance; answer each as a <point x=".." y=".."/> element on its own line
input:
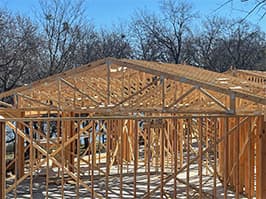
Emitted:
<point x="162" y="160"/>
<point x="188" y="128"/>
<point x="31" y="159"/>
<point x="215" y="159"/>
<point x="175" y="155"/>
<point x="200" y="121"/>
<point x="2" y="161"/>
<point x="121" y="144"/>
<point x="163" y="92"/>
<point x="93" y="156"/>
<point x="149" y="162"/>
<point x="20" y="151"/>
<point x="78" y="159"/>
<point x="47" y="155"/>
<point x="261" y="159"/>
<point x="250" y="166"/>
<point x="225" y="161"/>
<point x="135" y="156"/>
<point x="108" y="65"/>
<point x="108" y="142"/>
<point x="207" y="145"/>
<point x="232" y="103"/>
<point x="60" y="133"/>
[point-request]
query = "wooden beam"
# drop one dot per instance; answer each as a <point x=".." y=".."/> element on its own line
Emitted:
<point x="261" y="159"/>
<point x="213" y="98"/>
<point x="108" y="91"/>
<point x="2" y="161"/>
<point x="31" y="159"/>
<point x="79" y="90"/>
<point x="135" y="156"/>
<point x="68" y="73"/>
<point x="175" y="152"/>
<point x="35" y="100"/>
<point x="215" y="158"/>
<point x="6" y="104"/>
<point x="136" y="93"/>
<point x="188" y="131"/>
<point x="200" y="129"/>
<point x="225" y="166"/>
<point x="162" y="159"/>
<point x="108" y="155"/>
<point x="232" y="103"/>
<point x="149" y="162"/>
<point x="78" y="160"/>
<point x="238" y="159"/>
<point x="20" y="149"/>
<point x="181" y="97"/>
<point x="163" y="92"/>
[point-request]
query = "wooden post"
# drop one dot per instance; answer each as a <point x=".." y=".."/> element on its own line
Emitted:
<point x="200" y="120"/>
<point x="108" y="140"/>
<point x="78" y="157"/>
<point x="163" y="92"/>
<point x="2" y="160"/>
<point x="20" y="151"/>
<point x="93" y="158"/>
<point x="108" y="65"/>
<point x="149" y="159"/>
<point x="121" y="156"/>
<point x="215" y="158"/>
<point x="68" y="130"/>
<point x="232" y="103"/>
<point x="135" y="156"/>
<point x="188" y="155"/>
<point x="31" y="159"/>
<point x="175" y="156"/>
<point x="225" y="156"/>
<point x="47" y="155"/>
<point x="261" y="160"/>
<point x="237" y="160"/>
<point x="162" y="160"/>
<point x="250" y="166"/>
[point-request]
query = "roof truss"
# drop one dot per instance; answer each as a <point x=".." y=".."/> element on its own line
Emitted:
<point x="127" y="86"/>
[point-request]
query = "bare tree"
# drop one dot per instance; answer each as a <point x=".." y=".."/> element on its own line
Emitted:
<point x="113" y="44"/>
<point x="61" y="23"/>
<point x="98" y="45"/>
<point x="243" y="45"/>
<point x="87" y="51"/>
<point x="145" y="45"/>
<point x="18" y="50"/>
<point x="258" y="7"/>
<point x="225" y="43"/>
<point x="206" y="52"/>
<point x="168" y="31"/>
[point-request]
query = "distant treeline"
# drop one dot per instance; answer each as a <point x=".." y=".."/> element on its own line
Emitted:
<point x="60" y="37"/>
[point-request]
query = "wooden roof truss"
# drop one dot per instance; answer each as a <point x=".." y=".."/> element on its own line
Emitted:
<point x="112" y="86"/>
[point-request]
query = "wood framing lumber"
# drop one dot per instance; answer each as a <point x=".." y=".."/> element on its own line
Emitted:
<point x="75" y="71"/>
<point x="181" y="97"/>
<point x="213" y="98"/>
<point x="136" y="93"/>
<point x="261" y="160"/>
<point x="78" y="90"/>
<point x="2" y="161"/>
<point x="20" y="150"/>
<point x="158" y="70"/>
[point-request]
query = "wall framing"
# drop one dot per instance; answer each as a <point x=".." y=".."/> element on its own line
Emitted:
<point x="169" y="124"/>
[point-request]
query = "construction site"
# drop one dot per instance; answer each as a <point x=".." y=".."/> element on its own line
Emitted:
<point x="120" y="128"/>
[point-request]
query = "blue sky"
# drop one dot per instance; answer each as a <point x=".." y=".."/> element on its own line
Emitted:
<point x="105" y="13"/>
